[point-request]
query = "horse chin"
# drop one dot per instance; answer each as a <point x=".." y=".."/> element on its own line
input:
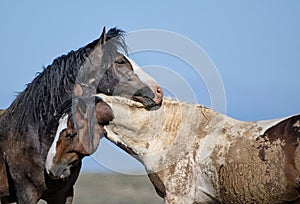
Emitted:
<point x="63" y="174"/>
<point x="148" y="103"/>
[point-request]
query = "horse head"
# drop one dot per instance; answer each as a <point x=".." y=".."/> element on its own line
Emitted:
<point x="112" y="73"/>
<point x="78" y="135"/>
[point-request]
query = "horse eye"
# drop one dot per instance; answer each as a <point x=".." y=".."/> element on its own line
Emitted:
<point x="121" y="61"/>
<point x="71" y="135"/>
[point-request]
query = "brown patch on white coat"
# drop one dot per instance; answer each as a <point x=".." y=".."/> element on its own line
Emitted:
<point x="195" y="155"/>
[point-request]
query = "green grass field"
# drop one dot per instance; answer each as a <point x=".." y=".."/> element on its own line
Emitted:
<point x="115" y="189"/>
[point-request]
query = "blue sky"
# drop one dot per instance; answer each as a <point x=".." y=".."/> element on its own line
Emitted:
<point x="255" y="46"/>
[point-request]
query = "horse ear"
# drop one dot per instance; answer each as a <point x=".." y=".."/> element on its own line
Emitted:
<point x="103" y="36"/>
<point x="98" y="99"/>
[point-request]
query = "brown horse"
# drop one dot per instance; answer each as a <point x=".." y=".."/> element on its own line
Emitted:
<point x="77" y="135"/>
<point x="29" y="125"/>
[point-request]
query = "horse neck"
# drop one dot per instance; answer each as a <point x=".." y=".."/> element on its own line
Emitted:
<point x="148" y="132"/>
<point x="39" y="106"/>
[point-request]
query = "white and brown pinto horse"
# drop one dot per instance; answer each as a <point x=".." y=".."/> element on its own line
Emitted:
<point x="196" y="155"/>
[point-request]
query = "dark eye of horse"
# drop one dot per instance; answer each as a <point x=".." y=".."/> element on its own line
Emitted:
<point x="121" y="61"/>
<point x="71" y="135"/>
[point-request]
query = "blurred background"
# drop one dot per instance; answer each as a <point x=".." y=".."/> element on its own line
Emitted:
<point x="254" y="45"/>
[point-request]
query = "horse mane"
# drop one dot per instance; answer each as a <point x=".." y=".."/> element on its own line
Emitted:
<point x="41" y="101"/>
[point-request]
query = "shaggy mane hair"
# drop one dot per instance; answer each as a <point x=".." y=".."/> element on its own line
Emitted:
<point x="40" y="103"/>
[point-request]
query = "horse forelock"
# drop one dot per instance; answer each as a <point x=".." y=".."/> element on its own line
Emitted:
<point x="114" y="44"/>
<point x="98" y="65"/>
<point x="116" y="38"/>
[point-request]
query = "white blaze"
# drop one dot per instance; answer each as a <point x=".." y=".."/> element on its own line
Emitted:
<point x="146" y="78"/>
<point x="63" y="121"/>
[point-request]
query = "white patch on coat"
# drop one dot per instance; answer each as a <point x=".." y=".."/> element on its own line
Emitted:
<point x="267" y="124"/>
<point x="63" y="122"/>
<point x="143" y="76"/>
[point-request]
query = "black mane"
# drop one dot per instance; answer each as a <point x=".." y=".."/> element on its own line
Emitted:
<point x="40" y="102"/>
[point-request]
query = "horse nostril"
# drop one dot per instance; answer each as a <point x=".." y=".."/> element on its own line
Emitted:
<point x="158" y="95"/>
<point x="158" y="91"/>
<point x="51" y="174"/>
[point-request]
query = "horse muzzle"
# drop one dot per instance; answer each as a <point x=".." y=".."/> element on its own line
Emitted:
<point x="149" y="96"/>
<point x="58" y="173"/>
